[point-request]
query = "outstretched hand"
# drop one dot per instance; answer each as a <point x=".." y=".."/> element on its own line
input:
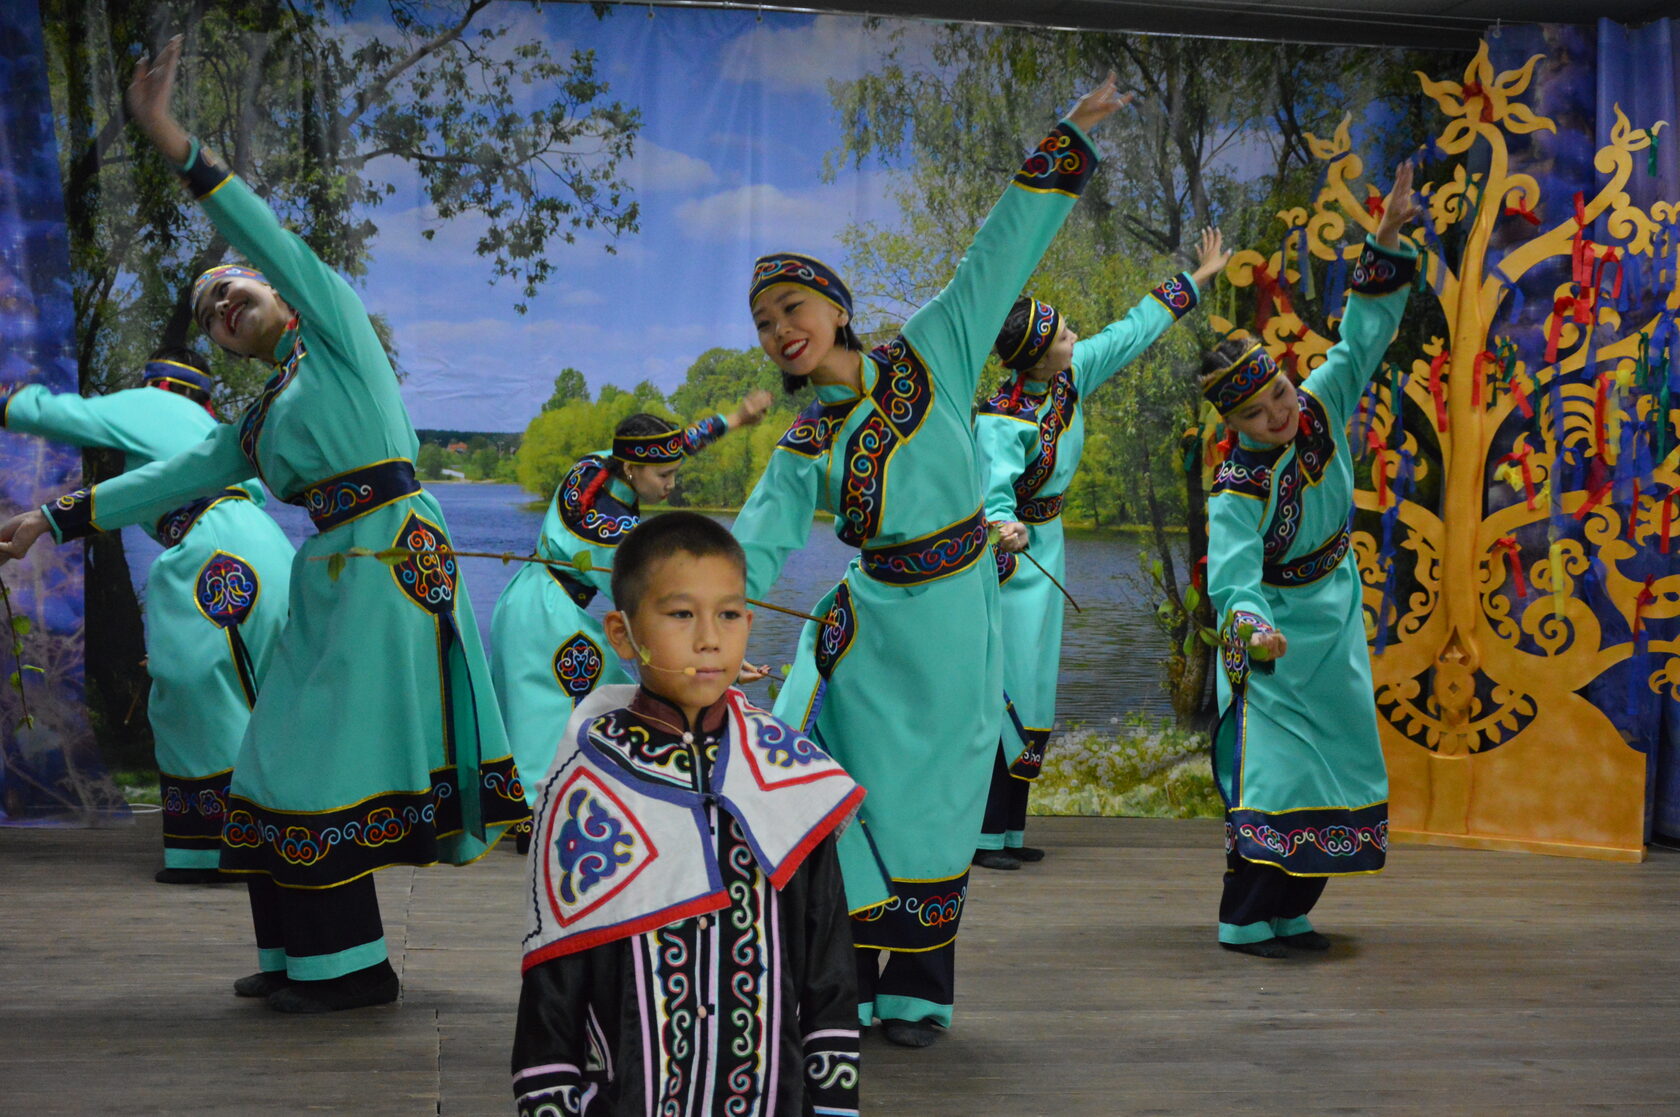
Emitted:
<point x="1211" y="257"/>
<point x="1399" y="207"/>
<point x="19" y="533"/>
<point x="150" y="93"/>
<point x="751" y="408"/>
<point x="1270" y="645"/>
<point x="1099" y="104"/>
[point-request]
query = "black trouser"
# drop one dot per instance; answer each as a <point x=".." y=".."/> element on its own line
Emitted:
<point x="1260" y="901"/>
<point x="1005" y="823"/>
<point x="909" y="976"/>
<point x="317" y="933"/>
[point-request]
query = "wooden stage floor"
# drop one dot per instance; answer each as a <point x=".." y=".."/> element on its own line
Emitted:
<point x="1460" y="982"/>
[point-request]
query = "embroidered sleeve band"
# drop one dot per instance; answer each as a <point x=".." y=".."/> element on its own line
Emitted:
<point x="71" y="515"/>
<point x="1063" y="163"/>
<point x="1379" y="271"/>
<point x="201" y="174"/>
<point x="1178" y="295"/>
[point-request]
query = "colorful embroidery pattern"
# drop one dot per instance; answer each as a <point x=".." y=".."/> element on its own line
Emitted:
<point x="577" y="666"/>
<point x="226" y="590"/>
<point x="1063" y="163"/>
<point x="1233" y="649"/>
<point x="338" y="500"/>
<point x="811" y="434"/>
<point x="781" y="746"/>
<point x="1328" y="840"/>
<point x="921" y="915"/>
<point x="1177" y="295"/>
<point x="1055" y="414"/>
<point x="256" y="416"/>
<point x="1378" y="273"/>
<point x="604" y="521"/>
<point x="651" y="448"/>
<point x="1007" y="564"/>
<point x="1040" y="510"/>
<point x="1242" y="380"/>
<point x="948" y="551"/>
<point x="1043" y="324"/>
<point x="172" y="527"/>
<point x="72" y="514"/>
<point x="1246" y="474"/>
<point x="704" y="433"/>
<point x="429" y="577"/>
<point x="902" y="394"/>
<point x="589" y="846"/>
<point x="649" y="754"/>
<point x="1030" y="763"/>
<point x="1310" y="567"/>
<point x="836" y="637"/>
<point x="194" y="809"/>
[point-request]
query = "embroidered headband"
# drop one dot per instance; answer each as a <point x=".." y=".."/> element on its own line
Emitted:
<point x="802" y="271"/>
<point x="650" y="449"/>
<point x="1241" y="380"/>
<point x="1021" y="353"/>
<point x="238" y="271"/>
<point x="183" y="380"/>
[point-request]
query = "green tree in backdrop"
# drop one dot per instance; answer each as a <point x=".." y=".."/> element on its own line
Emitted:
<point x="317" y="114"/>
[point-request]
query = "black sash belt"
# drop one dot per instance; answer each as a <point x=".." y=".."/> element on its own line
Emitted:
<point x="348" y="496"/>
<point x="947" y="551"/>
<point x="172" y="527"/>
<point x="1039" y="510"/>
<point x="1308" y="568"/>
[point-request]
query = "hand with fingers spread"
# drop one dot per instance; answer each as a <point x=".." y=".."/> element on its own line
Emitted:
<point x="1211" y="257"/>
<point x="150" y="92"/>
<point x="1099" y="104"/>
<point x="1399" y="207"/>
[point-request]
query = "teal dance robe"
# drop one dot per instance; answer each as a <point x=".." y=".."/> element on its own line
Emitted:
<point x="904" y="686"/>
<point x="215" y="600"/>
<point x="1296" y="751"/>
<point x="375" y="740"/>
<point x="1032" y="445"/>
<point x="547" y="652"/>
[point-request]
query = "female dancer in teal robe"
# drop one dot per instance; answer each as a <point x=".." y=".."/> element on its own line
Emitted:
<point x="215" y="596"/>
<point x="547" y="653"/>
<point x="1032" y="433"/>
<point x="903" y="683"/>
<point x="1296" y="752"/>
<point x="375" y="740"/>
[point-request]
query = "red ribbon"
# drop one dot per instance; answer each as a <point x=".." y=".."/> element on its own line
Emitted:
<point x="1375" y="445"/>
<point x="1273" y="297"/>
<point x="1374" y="204"/>
<point x="1520" y="209"/>
<point x="1438" y="388"/>
<point x="1522" y="400"/>
<point x="1520" y="456"/>
<point x="1474" y="90"/>
<point x="1611" y="256"/>
<point x="1554" y="332"/>
<point x="1508" y="544"/>
<point x="1647" y="597"/>
<point x="1601" y="412"/>
<point x="1476" y="381"/>
<point x="1593" y="501"/>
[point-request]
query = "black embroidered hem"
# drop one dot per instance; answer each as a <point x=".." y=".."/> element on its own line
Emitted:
<point x="1063" y="163"/>
<point x="1030" y="763"/>
<point x="1040" y="510"/>
<point x="1178" y="295"/>
<point x="350" y="495"/>
<point x="72" y="515"/>
<point x="581" y="593"/>
<point x="194" y="809"/>
<point x="1007" y="564"/>
<point x="922" y="915"/>
<point x="1379" y="271"/>
<point x="1323" y="841"/>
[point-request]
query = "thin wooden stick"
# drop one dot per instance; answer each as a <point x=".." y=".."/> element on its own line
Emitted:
<point x="509" y="556"/>
<point x="1053" y="581"/>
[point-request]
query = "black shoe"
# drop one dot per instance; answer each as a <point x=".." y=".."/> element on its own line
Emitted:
<point x="376" y="985"/>
<point x="911" y="1033"/>
<point x="1270" y="948"/>
<point x="1306" y="940"/>
<point x="261" y="983"/>
<point x="994" y="859"/>
<point x="1026" y="853"/>
<point x="191" y="876"/>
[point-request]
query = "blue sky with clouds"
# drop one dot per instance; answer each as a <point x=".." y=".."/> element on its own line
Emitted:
<point x="728" y="165"/>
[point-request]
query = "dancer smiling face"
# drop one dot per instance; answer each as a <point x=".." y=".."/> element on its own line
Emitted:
<point x="803" y="314"/>
<point x="1273" y="416"/>
<point x="238" y="310"/>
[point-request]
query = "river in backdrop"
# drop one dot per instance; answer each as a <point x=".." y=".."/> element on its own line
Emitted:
<point x="1112" y="653"/>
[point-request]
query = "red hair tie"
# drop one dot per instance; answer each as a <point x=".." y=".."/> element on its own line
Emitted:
<point x="586" y="501"/>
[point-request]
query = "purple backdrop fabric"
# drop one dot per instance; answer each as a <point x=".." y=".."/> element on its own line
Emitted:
<point x="52" y="771"/>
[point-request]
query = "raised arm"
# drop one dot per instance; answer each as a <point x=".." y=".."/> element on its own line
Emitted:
<point x="1095" y="359"/>
<point x="956" y="328"/>
<point x="290" y="265"/>
<point x="776" y="519"/>
<point x="1380" y="284"/>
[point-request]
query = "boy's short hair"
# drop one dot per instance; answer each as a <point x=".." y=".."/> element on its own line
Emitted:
<point x="659" y="537"/>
